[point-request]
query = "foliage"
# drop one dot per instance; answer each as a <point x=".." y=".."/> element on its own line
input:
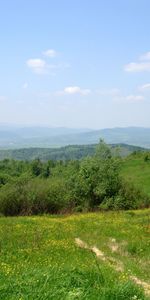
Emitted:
<point x="98" y="177"/>
<point x="137" y="172"/>
<point x="71" y="152"/>
<point x="38" y="187"/>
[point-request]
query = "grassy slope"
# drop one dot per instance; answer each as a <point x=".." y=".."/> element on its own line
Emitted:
<point x="39" y="258"/>
<point x="136" y="170"/>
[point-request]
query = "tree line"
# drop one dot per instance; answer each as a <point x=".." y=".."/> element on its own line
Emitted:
<point x="71" y="152"/>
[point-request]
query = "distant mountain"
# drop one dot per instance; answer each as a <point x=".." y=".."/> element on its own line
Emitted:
<point x="19" y="137"/>
<point x="136" y="136"/>
<point x="45" y="137"/>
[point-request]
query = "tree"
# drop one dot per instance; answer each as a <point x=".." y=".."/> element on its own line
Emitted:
<point x="36" y="167"/>
<point x="103" y="151"/>
<point x="98" y="176"/>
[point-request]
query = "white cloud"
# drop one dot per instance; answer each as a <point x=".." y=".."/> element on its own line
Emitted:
<point x="145" y="56"/>
<point x="74" y="90"/>
<point x="116" y="96"/>
<point x="37" y="65"/>
<point x="40" y="66"/>
<point x="144" y="87"/>
<point x="142" y="65"/>
<point x="134" y="98"/>
<point x="50" y="53"/>
<point x="137" y="67"/>
<point x="129" y="98"/>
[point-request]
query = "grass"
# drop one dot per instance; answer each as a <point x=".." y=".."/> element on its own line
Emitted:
<point x="40" y="260"/>
<point x="136" y="170"/>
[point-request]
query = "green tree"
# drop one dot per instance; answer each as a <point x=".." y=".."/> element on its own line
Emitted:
<point x="36" y="167"/>
<point x="98" y="176"/>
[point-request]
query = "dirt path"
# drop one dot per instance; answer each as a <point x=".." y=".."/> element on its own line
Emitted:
<point x="116" y="264"/>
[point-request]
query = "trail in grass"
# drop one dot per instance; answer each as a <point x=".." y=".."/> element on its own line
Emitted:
<point x="116" y="264"/>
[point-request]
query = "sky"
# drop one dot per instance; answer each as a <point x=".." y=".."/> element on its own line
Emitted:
<point x="75" y="63"/>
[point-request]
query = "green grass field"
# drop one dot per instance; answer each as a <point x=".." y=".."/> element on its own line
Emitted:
<point x="136" y="170"/>
<point x="39" y="258"/>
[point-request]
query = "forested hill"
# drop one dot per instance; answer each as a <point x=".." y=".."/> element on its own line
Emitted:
<point x="64" y="153"/>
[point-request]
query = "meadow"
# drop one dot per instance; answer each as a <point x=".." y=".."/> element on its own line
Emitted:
<point x="103" y="255"/>
<point x="136" y="170"/>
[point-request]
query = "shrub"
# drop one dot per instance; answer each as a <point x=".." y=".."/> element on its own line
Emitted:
<point x="132" y="198"/>
<point x="57" y="196"/>
<point x="34" y="196"/>
<point x="13" y="197"/>
<point x="4" y="178"/>
<point x="128" y="197"/>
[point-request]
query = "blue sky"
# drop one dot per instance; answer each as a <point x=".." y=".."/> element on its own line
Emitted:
<point x="75" y="63"/>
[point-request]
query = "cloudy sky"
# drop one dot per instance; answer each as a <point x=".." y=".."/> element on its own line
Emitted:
<point x="79" y="63"/>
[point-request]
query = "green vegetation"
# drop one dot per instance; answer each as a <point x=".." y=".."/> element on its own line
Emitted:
<point x="136" y="169"/>
<point x="97" y="255"/>
<point x="40" y="259"/>
<point x="64" y="153"/>
<point x="38" y="187"/>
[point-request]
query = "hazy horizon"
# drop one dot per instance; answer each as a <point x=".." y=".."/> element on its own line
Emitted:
<point x="36" y="125"/>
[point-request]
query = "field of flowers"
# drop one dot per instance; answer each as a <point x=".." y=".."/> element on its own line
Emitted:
<point x="40" y="259"/>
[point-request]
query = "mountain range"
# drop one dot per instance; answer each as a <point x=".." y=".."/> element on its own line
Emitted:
<point x="15" y="137"/>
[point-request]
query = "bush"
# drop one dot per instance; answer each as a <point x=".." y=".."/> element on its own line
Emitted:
<point x="34" y="196"/>
<point x="128" y="197"/>
<point x="13" y="197"/>
<point x="132" y="198"/>
<point x="57" y="196"/>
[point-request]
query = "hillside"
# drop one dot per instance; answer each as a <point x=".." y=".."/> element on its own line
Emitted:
<point x="43" y="137"/>
<point x="136" y="170"/>
<point x="64" y="153"/>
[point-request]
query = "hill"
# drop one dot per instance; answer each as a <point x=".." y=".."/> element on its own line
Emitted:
<point x="63" y="153"/>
